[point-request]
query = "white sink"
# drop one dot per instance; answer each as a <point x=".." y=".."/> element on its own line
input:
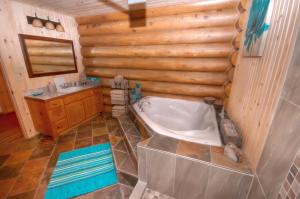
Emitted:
<point x="70" y="89"/>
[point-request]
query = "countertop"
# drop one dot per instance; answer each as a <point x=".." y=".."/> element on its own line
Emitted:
<point x="50" y="96"/>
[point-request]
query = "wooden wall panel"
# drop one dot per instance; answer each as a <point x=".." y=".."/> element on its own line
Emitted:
<point x="96" y="7"/>
<point x="183" y="51"/>
<point x="182" y="6"/>
<point x="257" y="82"/>
<point x="13" y="18"/>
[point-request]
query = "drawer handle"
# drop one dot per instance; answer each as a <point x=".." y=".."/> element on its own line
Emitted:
<point x="59" y="127"/>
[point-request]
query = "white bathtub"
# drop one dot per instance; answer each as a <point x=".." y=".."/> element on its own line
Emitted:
<point x="191" y="121"/>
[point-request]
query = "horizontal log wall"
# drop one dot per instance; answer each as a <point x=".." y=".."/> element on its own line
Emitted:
<point x="184" y="51"/>
<point x="174" y="22"/>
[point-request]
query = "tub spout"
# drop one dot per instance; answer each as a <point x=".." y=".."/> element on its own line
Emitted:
<point x="141" y="105"/>
<point x="209" y="100"/>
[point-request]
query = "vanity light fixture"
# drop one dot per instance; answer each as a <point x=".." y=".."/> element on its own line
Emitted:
<point x="36" y="22"/>
<point x="49" y="25"/>
<point x="59" y="27"/>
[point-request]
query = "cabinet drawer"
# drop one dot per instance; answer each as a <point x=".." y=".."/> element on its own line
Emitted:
<point x="57" y="113"/>
<point x="54" y="103"/>
<point x="77" y="96"/>
<point x="60" y="125"/>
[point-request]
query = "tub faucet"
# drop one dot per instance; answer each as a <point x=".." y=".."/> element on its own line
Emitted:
<point x="141" y="104"/>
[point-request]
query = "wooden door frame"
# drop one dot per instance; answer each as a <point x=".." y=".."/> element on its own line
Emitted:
<point x="6" y="100"/>
<point x="10" y="94"/>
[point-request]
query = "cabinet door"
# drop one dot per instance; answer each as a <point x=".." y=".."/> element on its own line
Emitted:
<point x="90" y="107"/>
<point x="99" y="100"/>
<point x="75" y="113"/>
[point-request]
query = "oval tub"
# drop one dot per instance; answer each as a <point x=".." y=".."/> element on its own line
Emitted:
<point x="193" y="121"/>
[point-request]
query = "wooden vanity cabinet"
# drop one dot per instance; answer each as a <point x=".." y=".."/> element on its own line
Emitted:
<point x="75" y="113"/>
<point x="89" y="106"/>
<point x="57" y="115"/>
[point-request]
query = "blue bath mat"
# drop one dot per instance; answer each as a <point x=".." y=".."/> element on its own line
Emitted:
<point x="82" y="171"/>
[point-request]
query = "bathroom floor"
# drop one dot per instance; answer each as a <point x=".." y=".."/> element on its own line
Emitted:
<point x="9" y="128"/>
<point x="26" y="165"/>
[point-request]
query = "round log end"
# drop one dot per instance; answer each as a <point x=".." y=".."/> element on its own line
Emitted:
<point x="240" y="25"/>
<point x="241" y="8"/>
<point x="237" y="41"/>
<point x="227" y="89"/>
<point x="243" y="4"/>
<point x="226" y="102"/>
<point x="234" y="58"/>
<point x="230" y="74"/>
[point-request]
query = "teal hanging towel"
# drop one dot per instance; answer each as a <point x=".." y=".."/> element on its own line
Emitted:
<point x="256" y="23"/>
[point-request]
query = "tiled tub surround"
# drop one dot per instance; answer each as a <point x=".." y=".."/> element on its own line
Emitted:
<point x="178" y="168"/>
<point x="291" y="184"/>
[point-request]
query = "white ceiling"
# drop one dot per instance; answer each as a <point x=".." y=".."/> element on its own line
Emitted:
<point x="93" y="7"/>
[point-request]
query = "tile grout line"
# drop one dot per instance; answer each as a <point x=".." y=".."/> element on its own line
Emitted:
<point x="261" y="187"/>
<point x="249" y="189"/>
<point x="120" y="141"/>
<point x="281" y="184"/>
<point x="19" y="174"/>
<point x="44" y="171"/>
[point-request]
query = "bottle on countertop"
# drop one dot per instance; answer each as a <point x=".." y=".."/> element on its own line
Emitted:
<point x="51" y="87"/>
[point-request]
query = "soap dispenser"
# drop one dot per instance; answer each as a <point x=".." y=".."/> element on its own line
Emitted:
<point x="51" y="87"/>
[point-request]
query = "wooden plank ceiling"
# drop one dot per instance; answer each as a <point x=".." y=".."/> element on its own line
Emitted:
<point x="94" y="7"/>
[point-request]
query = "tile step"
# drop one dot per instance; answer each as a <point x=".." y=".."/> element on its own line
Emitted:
<point x="138" y="191"/>
<point x="131" y="134"/>
<point x="149" y="194"/>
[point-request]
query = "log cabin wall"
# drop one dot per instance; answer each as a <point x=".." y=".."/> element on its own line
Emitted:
<point x="257" y="82"/>
<point x="184" y="51"/>
<point x="13" y="22"/>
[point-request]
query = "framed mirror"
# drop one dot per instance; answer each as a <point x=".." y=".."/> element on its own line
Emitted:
<point x="46" y="56"/>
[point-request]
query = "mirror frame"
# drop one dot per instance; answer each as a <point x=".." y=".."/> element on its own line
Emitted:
<point x="31" y="74"/>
